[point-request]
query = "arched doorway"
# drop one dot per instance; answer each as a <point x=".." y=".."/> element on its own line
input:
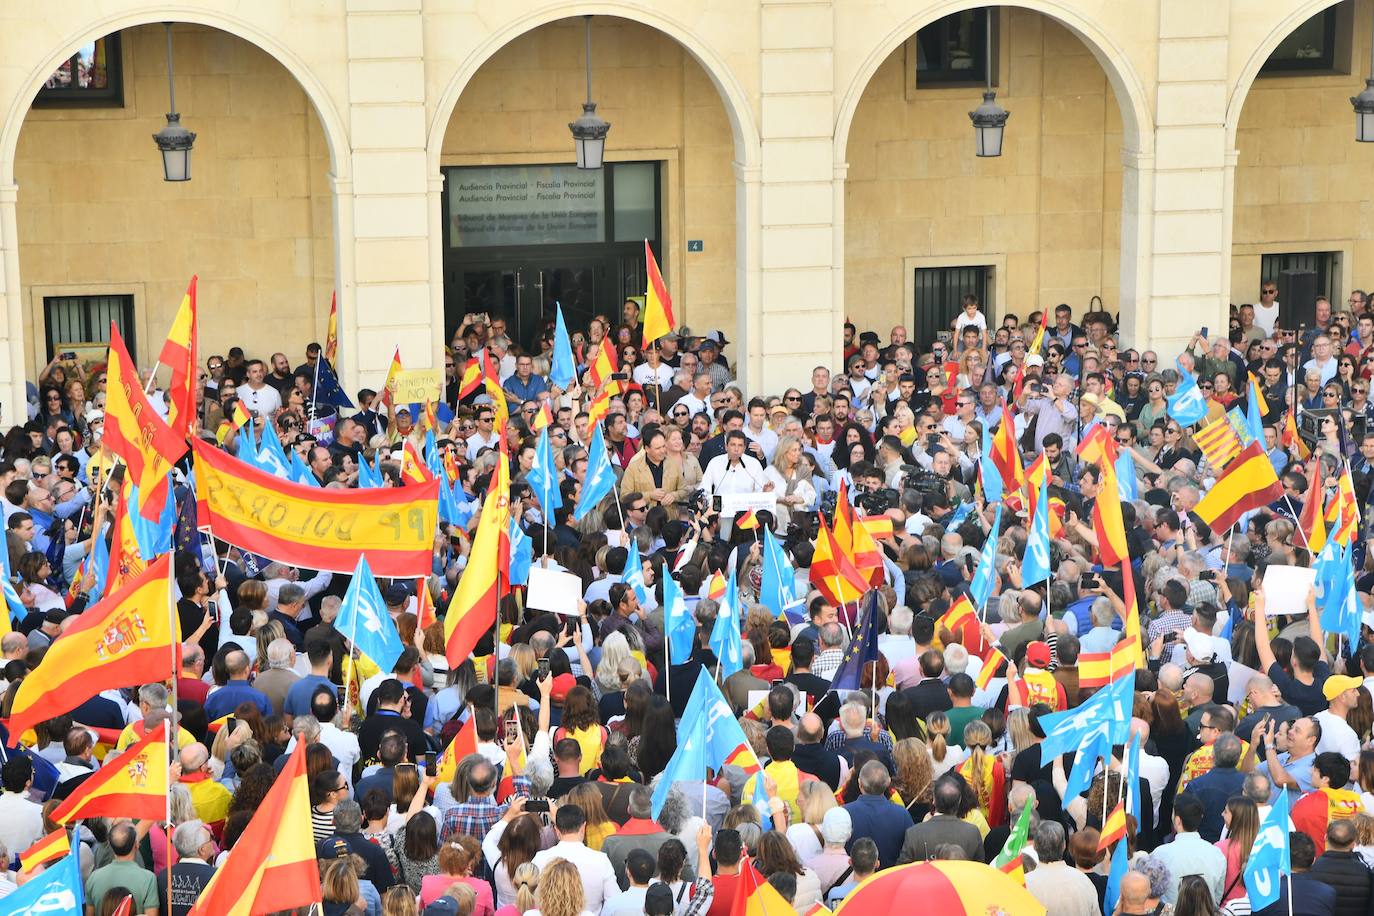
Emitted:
<point x="98" y="233"/>
<point x="523" y="229"/>
<point x="1052" y="220"/>
<point x="1302" y="182"/>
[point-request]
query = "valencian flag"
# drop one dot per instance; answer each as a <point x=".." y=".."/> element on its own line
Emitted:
<point x="1114" y="827"/>
<point x="862" y="649"/>
<point x="474" y="607"/>
<point x="53" y="846"/>
<point x="658" y="306"/>
<point x="1219" y="442"/>
<point x="132" y="784"/>
<point x="602" y="402"/>
<point x="832" y="573"/>
<point x="1009" y="859"/>
<point x="1006" y="455"/>
<point x="1248" y="483"/>
<point x="179" y="355"/>
<point x="272" y="866"/>
<point x="135" y="432"/>
<point x="125" y="640"/>
<point x="1343" y="514"/>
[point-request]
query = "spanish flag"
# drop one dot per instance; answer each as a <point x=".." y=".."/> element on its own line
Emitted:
<point x="1107" y="520"/>
<point x="1312" y="522"/>
<point x="133" y="784"/>
<point x="715" y="589"/>
<point x="240" y="415"/>
<point x="605" y="363"/>
<point x="391" y="373"/>
<point x="602" y="402"/>
<point x="991" y="665"/>
<point x="658" y="306"/>
<point x="959" y="611"/>
<point x="431" y="416"/>
<point x="1248" y="483"/>
<point x="754" y="896"/>
<point x="424" y="605"/>
<point x="135" y="432"/>
<point x="126" y="561"/>
<point x="1098" y="669"/>
<point x="543" y="419"/>
<point x="1005" y="453"/>
<point x="1291" y="438"/>
<point x="1039" y="338"/>
<point x="1132" y="627"/>
<point x="272" y="866"/>
<point x="474" y="607"/>
<point x="474" y="373"/>
<point x="1114" y="827"/>
<point x="129" y="638"/>
<point x="413" y="469"/>
<point x="1094" y="445"/>
<point x="331" y="331"/>
<point x="463" y="744"/>
<point x="53" y="846"/>
<point x="855" y="541"/>
<point x="832" y="573"/>
<point x="179" y="355"/>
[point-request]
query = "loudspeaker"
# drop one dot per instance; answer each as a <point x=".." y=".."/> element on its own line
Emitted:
<point x="1297" y="298"/>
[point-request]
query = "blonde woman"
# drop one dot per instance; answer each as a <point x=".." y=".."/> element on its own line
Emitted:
<point x="795" y="492"/>
<point x="983" y="772"/>
<point x="677" y="448"/>
<point x="599" y="824"/>
<point x="614" y="651"/>
<point x="526" y="881"/>
<point x="973" y="366"/>
<point x="814" y="798"/>
<point x="560" y="890"/>
<point x="943" y="757"/>
<point x="904" y="422"/>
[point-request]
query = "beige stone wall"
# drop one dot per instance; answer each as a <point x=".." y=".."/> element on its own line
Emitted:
<point x="661" y="105"/>
<point x="255" y="222"/>
<point x="1048" y="209"/>
<point x="1302" y="182"/>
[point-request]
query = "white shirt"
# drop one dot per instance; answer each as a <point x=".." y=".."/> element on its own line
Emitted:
<point x="721" y="476"/>
<point x="21" y="822"/>
<point x="264" y="402"/>
<point x="1267" y="316"/>
<point x="598" y="875"/>
<point x="1337" y="736"/>
<point x="476" y="441"/>
<point x="767" y="440"/>
<point x="646" y="374"/>
<point x="1156" y="773"/>
<point x="694" y="404"/>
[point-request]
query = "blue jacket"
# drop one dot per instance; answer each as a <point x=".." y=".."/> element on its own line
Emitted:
<point x="882" y="821"/>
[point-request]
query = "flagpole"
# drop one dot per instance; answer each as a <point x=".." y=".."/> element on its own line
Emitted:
<point x="352" y="664"/>
<point x="315" y="385"/>
<point x="172" y="728"/>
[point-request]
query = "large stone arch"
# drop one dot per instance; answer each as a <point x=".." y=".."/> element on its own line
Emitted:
<point x="1137" y="121"/>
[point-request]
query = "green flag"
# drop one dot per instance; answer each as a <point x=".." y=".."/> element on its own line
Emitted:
<point x="1009" y="859"/>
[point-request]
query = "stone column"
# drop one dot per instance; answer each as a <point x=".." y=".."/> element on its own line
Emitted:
<point x="1189" y="233"/>
<point x="13" y="399"/>
<point x="385" y="295"/>
<point x="800" y="307"/>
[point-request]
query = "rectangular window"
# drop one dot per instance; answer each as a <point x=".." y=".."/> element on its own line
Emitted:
<point x="940" y="297"/>
<point x="508" y="206"/>
<point x="92" y="77"/>
<point x="79" y="321"/>
<point x="1325" y="264"/>
<point x="953" y="51"/>
<point x="1309" y="47"/>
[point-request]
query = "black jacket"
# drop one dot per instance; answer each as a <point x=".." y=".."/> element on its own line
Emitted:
<point x="1347" y="875"/>
<point x="820" y="762"/>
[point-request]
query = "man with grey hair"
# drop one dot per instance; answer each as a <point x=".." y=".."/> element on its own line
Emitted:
<point x="290" y="612"/>
<point x="1021" y="794"/>
<point x="897" y="644"/>
<point x="872" y="815"/>
<point x="1102" y="636"/>
<point x="1063" y="889"/>
<point x="1215" y="787"/>
<point x="208" y="797"/>
<point x="739" y="685"/>
<point x="195" y="848"/>
<point x="278" y="575"/>
<point x="944" y="826"/>
<point x="639" y="832"/>
<point x="278" y="679"/>
<point x="348" y="826"/>
<point x="832" y="642"/>
<point x="152" y="710"/>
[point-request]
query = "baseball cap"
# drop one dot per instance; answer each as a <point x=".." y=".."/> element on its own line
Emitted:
<point x="443" y="906"/>
<point x="335" y="847"/>
<point x="658" y="900"/>
<point x="1200" y="645"/>
<point x="1038" y="654"/>
<point x="836" y="826"/>
<point x="561" y="685"/>
<point x="1035" y="359"/>
<point x="396" y="594"/>
<point x="1338" y="684"/>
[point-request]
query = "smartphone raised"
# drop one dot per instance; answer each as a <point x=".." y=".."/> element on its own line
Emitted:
<point x="543" y="668"/>
<point x="537" y="805"/>
<point x="1087" y="581"/>
<point x="431" y="763"/>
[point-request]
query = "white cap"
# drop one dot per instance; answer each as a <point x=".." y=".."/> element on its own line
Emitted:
<point x="1200" y="645"/>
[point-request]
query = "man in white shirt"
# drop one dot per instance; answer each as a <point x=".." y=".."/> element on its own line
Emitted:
<point x="757" y="430"/>
<point x="486" y="436"/>
<point x="1322" y="359"/>
<point x="1154" y="769"/>
<point x="1341" y="691"/>
<point x="256" y="395"/>
<point x="653" y="371"/>
<point x="698" y="400"/>
<point x="598" y="875"/>
<point x="21" y="821"/>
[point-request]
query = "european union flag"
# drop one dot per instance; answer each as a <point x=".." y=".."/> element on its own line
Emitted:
<point x="45" y="774"/>
<point x="57" y="549"/>
<point x="56" y="891"/>
<point x="364" y="620"/>
<point x="327" y="387"/>
<point x="187" y="531"/>
<point x="862" y="649"/>
<point x="600" y="477"/>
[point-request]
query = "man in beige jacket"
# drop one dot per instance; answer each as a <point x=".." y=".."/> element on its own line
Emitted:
<point x="655" y="473"/>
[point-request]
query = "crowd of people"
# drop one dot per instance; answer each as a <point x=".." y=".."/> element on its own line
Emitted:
<point x="576" y="718"/>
